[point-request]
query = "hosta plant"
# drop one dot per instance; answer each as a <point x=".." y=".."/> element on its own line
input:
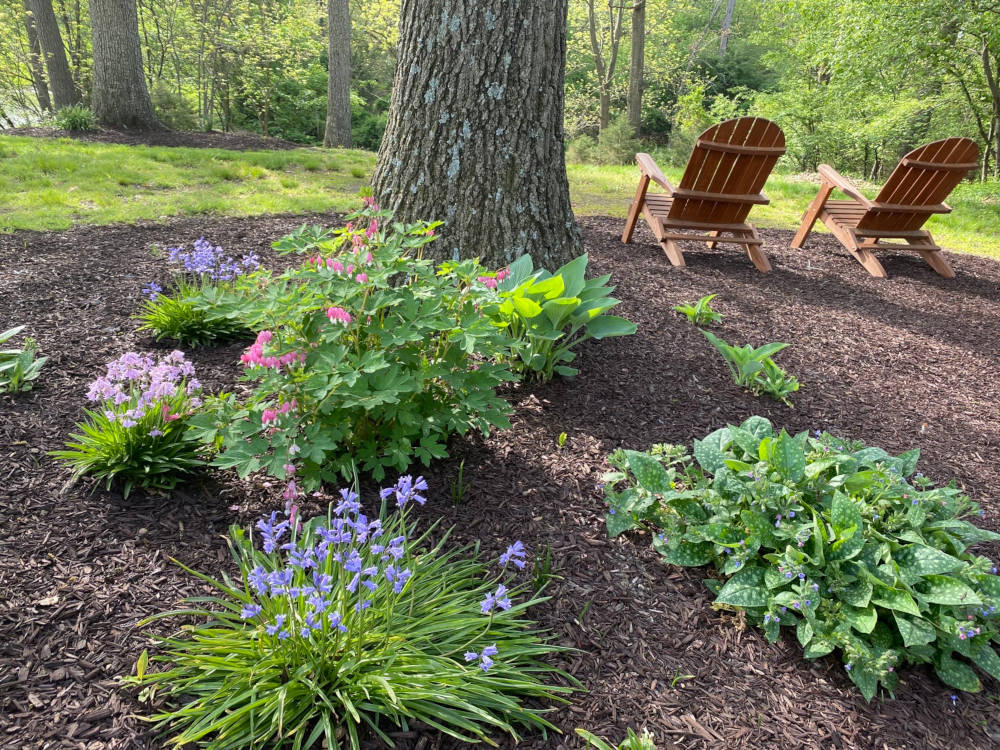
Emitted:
<point x="19" y="367"/>
<point x="344" y="628"/>
<point x="369" y="356"/>
<point x="546" y="315"/>
<point x="632" y="741"/>
<point x="701" y="312"/>
<point x="754" y="369"/>
<point x="840" y="543"/>
<point x="137" y="432"/>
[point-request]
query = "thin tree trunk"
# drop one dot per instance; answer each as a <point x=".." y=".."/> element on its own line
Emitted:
<point x="35" y="62"/>
<point x="338" y="91"/>
<point x="120" y="98"/>
<point x="605" y="67"/>
<point x="727" y="25"/>
<point x="64" y="91"/>
<point x="637" y="65"/>
<point x="475" y="131"/>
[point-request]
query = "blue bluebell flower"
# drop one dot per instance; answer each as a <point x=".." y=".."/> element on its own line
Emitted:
<point x="515" y="554"/>
<point x="249" y="611"/>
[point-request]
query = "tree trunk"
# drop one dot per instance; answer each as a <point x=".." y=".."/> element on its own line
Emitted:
<point x="338" y="90"/>
<point x="604" y="99"/>
<point x="637" y="65"/>
<point x="475" y="131"/>
<point x="35" y="62"/>
<point x="64" y="91"/>
<point x="727" y="24"/>
<point x="120" y="98"/>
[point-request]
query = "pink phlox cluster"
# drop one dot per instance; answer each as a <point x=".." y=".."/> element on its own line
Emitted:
<point x="141" y="382"/>
<point x="338" y="313"/>
<point x="254" y="356"/>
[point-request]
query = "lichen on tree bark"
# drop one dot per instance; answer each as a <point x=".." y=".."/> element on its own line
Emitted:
<point x="475" y="131"/>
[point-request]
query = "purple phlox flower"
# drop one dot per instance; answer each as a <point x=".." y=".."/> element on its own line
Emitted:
<point x="336" y="621"/>
<point x="515" y="554"/>
<point x="349" y="502"/>
<point x="279" y="621"/>
<point x="250" y="610"/>
<point x="258" y="580"/>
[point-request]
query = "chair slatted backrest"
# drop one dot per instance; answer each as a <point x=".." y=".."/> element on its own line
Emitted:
<point x="919" y="184"/>
<point x="731" y="160"/>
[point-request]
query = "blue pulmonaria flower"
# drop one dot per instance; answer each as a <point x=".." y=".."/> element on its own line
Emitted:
<point x="789" y="575"/>
<point x="791" y="514"/>
<point x="816" y="433"/>
<point x="279" y="621"/>
<point x="815" y="587"/>
<point x="515" y="554"/>
<point x="336" y="621"/>
<point x="258" y="580"/>
<point x="847" y="667"/>
<point x="954" y="699"/>
<point x="808" y="602"/>
<point x="802" y="576"/>
<point x="250" y="611"/>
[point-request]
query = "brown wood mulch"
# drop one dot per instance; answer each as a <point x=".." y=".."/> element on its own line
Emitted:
<point x="186" y="138"/>
<point x="912" y="361"/>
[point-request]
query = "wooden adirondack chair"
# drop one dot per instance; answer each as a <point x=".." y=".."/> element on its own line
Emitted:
<point x="722" y="182"/>
<point x="916" y="189"/>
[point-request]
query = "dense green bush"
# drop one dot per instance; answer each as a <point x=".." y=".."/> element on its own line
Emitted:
<point x="352" y="629"/>
<point x="842" y="542"/>
<point x="75" y="117"/>
<point x="367" y="353"/>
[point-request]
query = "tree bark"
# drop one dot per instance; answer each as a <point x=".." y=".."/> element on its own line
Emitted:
<point x="338" y="91"/>
<point x="120" y="97"/>
<point x="35" y="62"/>
<point x="64" y="92"/>
<point x="475" y="130"/>
<point x="727" y="25"/>
<point x="637" y="65"/>
<point x="605" y="67"/>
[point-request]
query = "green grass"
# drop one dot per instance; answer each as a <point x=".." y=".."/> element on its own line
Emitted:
<point x="52" y="184"/>
<point x="973" y="226"/>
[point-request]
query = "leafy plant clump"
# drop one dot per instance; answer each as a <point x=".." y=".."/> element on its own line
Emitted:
<point x="632" y="741"/>
<point x="19" y="367"/>
<point x="841" y="542"/>
<point x="138" y="432"/>
<point x="546" y="315"/>
<point x="754" y="369"/>
<point x="75" y="117"/>
<point x="701" y="312"/>
<point x="342" y="629"/>
<point x="368" y="355"/>
<point x="189" y="314"/>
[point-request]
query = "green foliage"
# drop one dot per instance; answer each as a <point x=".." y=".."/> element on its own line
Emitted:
<point x="19" y="367"/>
<point x="842" y="543"/>
<point x="582" y="150"/>
<point x="632" y="741"/>
<point x="546" y="315"/>
<point x="75" y="117"/>
<point x="754" y="369"/>
<point x="701" y="312"/>
<point x="541" y="569"/>
<point x="172" y="108"/>
<point x="316" y="658"/>
<point x="188" y="316"/>
<point x="370" y="355"/>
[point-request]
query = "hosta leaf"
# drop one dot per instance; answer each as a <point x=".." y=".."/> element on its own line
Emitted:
<point x="649" y="472"/>
<point x="745" y="589"/>
<point x="916" y="560"/>
<point x="914" y="632"/>
<point x="946" y="590"/>
<point x="608" y="326"/>
<point x="957" y="674"/>
<point x="897" y="600"/>
<point x="709" y="452"/>
<point x="526" y="308"/>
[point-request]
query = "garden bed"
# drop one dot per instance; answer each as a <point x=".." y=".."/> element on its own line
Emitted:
<point x="909" y="362"/>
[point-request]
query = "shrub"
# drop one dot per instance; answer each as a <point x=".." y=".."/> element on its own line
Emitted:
<point x="138" y="432"/>
<point x="19" y="367"/>
<point x="349" y="630"/>
<point x="701" y="312"/>
<point x="582" y="150"/>
<point x="754" y="369"/>
<point x="172" y="108"/>
<point x="546" y="315"/>
<point x="75" y="117"/>
<point x="632" y="741"/>
<point x="369" y="354"/>
<point x="842" y="542"/>
<point x="617" y="143"/>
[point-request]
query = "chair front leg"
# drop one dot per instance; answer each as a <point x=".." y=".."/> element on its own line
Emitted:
<point x="812" y="213"/>
<point x="635" y="209"/>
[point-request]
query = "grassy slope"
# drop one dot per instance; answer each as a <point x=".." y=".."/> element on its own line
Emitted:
<point x="53" y="184"/>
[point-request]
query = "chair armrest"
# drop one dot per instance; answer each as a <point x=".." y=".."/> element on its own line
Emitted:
<point x="831" y="176"/>
<point x="649" y="168"/>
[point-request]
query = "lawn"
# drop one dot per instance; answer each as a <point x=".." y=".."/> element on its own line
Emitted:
<point x="54" y="184"/>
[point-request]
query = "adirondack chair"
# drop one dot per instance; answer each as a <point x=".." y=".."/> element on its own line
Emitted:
<point x="722" y="182"/>
<point x="916" y="189"/>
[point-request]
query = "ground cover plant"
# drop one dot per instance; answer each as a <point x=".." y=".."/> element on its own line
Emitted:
<point x="546" y="315"/>
<point x="632" y="741"/>
<point x="343" y="628"/>
<point x="700" y="313"/>
<point x="753" y="368"/>
<point x="841" y="542"/>
<point x="186" y="313"/>
<point x="19" y="368"/>
<point x="368" y="357"/>
<point x="137" y="433"/>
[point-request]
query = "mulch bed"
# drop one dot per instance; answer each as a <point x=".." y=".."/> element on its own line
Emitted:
<point x="912" y="361"/>
<point x="186" y="138"/>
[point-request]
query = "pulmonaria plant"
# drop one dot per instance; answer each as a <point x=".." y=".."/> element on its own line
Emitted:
<point x="384" y="355"/>
<point x="136" y="431"/>
<point x="343" y="628"/>
<point x="841" y="542"/>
